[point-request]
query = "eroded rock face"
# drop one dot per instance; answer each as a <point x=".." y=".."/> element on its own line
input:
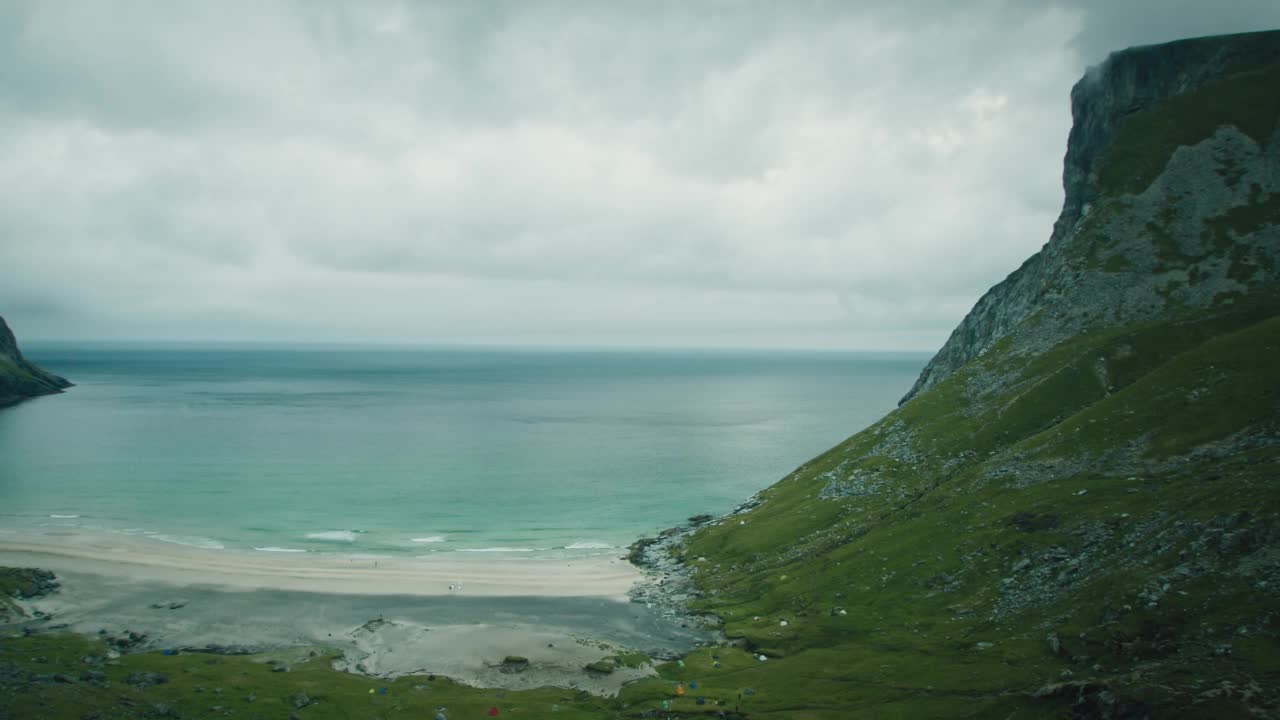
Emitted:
<point x="20" y="379"/>
<point x="1119" y="255"/>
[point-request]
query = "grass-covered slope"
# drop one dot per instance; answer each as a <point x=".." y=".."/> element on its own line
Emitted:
<point x="1114" y="529"/>
<point x="1084" y="519"/>
<point x="68" y="676"/>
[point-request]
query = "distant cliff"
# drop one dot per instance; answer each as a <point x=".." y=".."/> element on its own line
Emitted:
<point x="20" y="379"/>
<point x="1166" y="140"/>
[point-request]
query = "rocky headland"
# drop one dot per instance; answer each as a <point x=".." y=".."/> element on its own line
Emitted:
<point x="20" y="379"/>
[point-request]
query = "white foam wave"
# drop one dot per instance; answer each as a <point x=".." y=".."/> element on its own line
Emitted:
<point x="432" y="539"/>
<point x="497" y="549"/>
<point x="588" y="545"/>
<point x="279" y="549"/>
<point x="333" y="535"/>
<point x="64" y="517"/>
<point x="196" y="542"/>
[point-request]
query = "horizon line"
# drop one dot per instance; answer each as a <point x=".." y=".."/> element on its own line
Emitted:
<point x="459" y="346"/>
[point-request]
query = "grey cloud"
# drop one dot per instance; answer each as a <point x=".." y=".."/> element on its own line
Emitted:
<point x="835" y="174"/>
<point x="1111" y="26"/>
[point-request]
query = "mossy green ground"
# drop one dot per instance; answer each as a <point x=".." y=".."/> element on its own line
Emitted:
<point x="13" y="579"/>
<point x="939" y="619"/>
<point x="1145" y="141"/>
<point x="202" y="686"/>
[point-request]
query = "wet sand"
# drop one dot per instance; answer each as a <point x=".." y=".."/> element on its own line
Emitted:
<point x="397" y="618"/>
<point x="606" y="576"/>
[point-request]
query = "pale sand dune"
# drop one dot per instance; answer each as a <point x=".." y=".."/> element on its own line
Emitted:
<point x="141" y="559"/>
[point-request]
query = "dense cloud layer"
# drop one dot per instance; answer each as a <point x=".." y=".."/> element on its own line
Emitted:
<point x="816" y="174"/>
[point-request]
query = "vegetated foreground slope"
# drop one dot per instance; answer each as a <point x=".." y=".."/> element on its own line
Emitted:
<point x="20" y="379"/>
<point x="1079" y="517"/>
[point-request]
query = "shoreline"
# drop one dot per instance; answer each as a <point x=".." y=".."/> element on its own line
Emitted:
<point x="467" y="639"/>
<point x="473" y="574"/>
<point x="455" y="617"/>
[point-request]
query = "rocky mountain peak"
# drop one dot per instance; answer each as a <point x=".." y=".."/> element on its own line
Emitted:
<point x="1149" y="125"/>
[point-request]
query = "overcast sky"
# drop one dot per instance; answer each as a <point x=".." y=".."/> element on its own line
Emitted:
<point x="780" y="174"/>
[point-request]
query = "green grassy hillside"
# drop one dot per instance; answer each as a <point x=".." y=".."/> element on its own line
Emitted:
<point x="1115" y="537"/>
<point x="1087" y="526"/>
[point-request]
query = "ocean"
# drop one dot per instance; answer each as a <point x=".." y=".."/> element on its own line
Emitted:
<point x="400" y="452"/>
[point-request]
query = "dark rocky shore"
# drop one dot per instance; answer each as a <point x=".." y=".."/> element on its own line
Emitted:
<point x="667" y="587"/>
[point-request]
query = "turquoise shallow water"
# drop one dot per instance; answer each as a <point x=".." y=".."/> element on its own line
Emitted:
<point x="393" y="452"/>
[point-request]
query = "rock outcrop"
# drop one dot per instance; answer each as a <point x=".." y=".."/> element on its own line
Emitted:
<point x="1211" y="160"/>
<point x="20" y="379"/>
<point x="23" y="584"/>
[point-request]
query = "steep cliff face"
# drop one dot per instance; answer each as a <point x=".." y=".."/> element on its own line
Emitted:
<point x="1168" y="113"/>
<point x="20" y="379"/>
<point x="1075" y="513"/>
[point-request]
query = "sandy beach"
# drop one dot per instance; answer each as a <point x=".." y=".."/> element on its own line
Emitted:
<point x="600" y="576"/>
<point x="458" y="617"/>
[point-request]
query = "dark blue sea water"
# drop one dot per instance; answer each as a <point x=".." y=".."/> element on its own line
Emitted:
<point x="395" y="451"/>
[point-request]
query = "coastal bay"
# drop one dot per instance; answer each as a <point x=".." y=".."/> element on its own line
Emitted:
<point x="218" y="500"/>
<point x="418" y="452"/>
<point x="1071" y="513"/>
